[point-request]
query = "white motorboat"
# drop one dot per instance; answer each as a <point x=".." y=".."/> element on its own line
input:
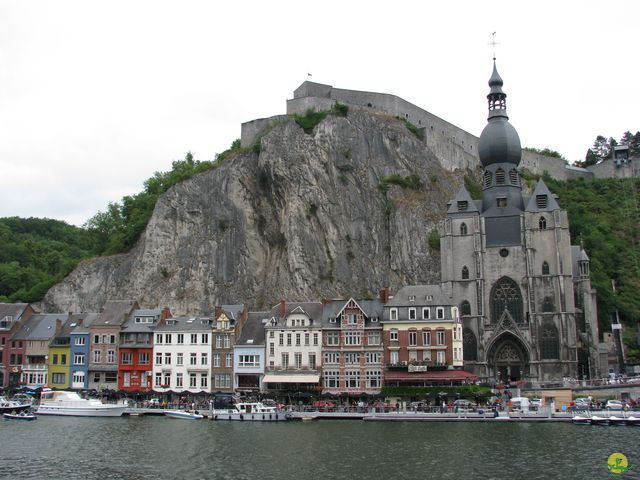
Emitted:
<point x="251" y="411"/>
<point x="581" y="420"/>
<point x="10" y="406"/>
<point x="596" y="420"/>
<point x="23" y="415"/>
<point x="183" y="414"/>
<point x="61" y="402"/>
<point x="613" y="420"/>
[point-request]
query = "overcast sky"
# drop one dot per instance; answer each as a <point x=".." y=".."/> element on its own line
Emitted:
<point x="95" y="96"/>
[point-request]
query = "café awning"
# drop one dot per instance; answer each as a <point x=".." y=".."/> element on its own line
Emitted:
<point x="300" y="378"/>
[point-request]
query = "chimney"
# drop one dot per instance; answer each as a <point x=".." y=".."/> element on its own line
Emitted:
<point x="166" y="313"/>
<point x="325" y="301"/>
<point x="218" y="311"/>
<point x="383" y="294"/>
<point x="283" y="308"/>
<point x="58" y="326"/>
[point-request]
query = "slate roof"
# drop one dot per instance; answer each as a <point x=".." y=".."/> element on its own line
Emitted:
<point x="14" y="310"/>
<point x="185" y="324"/>
<point x="253" y="329"/>
<point x="371" y="308"/>
<point x="577" y="255"/>
<point x="542" y="189"/>
<point x="115" y="312"/>
<point x="87" y="320"/>
<point x="40" y="326"/>
<point x="463" y="195"/>
<point x="312" y="309"/>
<point x="232" y="311"/>
<point x="421" y="294"/>
<point x="130" y="326"/>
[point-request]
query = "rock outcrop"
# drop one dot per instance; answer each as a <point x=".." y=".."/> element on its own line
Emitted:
<point x="306" y="217"/>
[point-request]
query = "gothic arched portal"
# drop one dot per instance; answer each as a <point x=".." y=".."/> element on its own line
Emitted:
<point x="508" y="359"/>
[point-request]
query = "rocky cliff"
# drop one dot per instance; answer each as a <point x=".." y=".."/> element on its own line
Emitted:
<point x="306" y="217"/>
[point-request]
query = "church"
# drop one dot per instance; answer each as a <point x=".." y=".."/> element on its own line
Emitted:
<point x="523" y="292"/>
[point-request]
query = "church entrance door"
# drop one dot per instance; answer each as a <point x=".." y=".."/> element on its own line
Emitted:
<point x="509" y="360"/>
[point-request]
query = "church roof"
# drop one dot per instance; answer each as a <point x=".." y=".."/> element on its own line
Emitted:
<point x="542" y="200"/>
<point x="463" y="203"/>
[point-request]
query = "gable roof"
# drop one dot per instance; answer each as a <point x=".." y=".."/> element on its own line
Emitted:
<point x="334" y="308"/>
<point x="40" y="326"/>
<point x="87" y="320"/>
<point x="551" y="203"/>
<point x="463" y="195"/>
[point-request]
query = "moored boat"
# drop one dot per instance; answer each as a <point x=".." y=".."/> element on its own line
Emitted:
<point x="183" y="414"/>
<point x="580" y="420"/>
<point x="251" y="411"/>
<point x="10" y="406"/>
<point x="62" y="402"/>
<point x="595" y="420"/>
<point x="23" y="415"/>
<point x="635" y="421"/>
<point x="613" y="420"/>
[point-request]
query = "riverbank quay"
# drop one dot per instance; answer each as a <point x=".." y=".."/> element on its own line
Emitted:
<point x="432" y="417"/>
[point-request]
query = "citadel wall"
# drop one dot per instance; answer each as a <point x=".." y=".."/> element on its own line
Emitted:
<point x="455" y="147"/>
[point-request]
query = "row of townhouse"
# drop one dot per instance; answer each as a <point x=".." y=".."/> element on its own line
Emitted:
<point x="334" y="346"/>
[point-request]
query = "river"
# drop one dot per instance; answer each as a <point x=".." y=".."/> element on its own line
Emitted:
<point x="158" y="447"/>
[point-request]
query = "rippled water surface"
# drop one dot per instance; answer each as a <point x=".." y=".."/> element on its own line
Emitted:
<point x="158" y="447"/>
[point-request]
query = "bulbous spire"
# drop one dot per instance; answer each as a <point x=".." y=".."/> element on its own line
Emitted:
<point x="499" y="141"/>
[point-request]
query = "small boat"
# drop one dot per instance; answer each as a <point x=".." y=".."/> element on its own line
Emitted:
<point x="23" y="415"/>
<point x="183" y="414"/>
<point x="61" y="402"/>
<point x="251" y="411"/>
<point x="613" y="420"/>
<point x="580" y="420"/>
<point x="595" y="420"/>
<point x="635" y="421"/>
<point x="10" y="406"/>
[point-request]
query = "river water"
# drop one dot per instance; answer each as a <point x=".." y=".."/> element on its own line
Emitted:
<point x="158" y="447"/>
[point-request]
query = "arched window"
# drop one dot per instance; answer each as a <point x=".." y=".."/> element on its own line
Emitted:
<point x="549" y="342"/>
<point x="545" y="268"/>
<point x="505" y="295"/>
<point x="500" y="177"/>
<point x="465" y="273"/>
<point x="463" y="229"/>
<point x="542" y="223"/>
<point x="465" y="308"/>
<point x="487" y="179"/>
<point x="469" y="345"/>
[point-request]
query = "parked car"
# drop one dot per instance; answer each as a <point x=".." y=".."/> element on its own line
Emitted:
<point x="582" y="404"/>
<point x="462" y="405"/>
<point x="323" y="404"/>
<point x="614" y="405"/>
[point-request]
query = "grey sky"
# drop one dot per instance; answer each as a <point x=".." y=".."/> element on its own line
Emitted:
<point x="95" y="96"/>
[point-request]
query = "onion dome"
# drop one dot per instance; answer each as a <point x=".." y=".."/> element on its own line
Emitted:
<point x="499" y="141"/>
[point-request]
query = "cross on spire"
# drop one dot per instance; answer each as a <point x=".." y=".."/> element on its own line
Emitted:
<point x="493" y="44"/>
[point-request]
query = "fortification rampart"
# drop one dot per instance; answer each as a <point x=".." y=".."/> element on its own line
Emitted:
<point x="455" y="147"/>
<point x="611" y="168"/>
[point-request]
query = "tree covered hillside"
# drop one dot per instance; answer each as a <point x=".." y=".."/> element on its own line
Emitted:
<point x="36" y="253"/>
<point x="605" y="216"/>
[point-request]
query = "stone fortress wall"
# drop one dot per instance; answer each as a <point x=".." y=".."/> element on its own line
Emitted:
<point x="455" y="147"/>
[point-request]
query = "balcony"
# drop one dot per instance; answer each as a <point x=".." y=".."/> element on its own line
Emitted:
<point x="39" y="367"/>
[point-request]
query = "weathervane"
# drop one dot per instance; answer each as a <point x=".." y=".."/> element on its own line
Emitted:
<point x="493" y="44"/>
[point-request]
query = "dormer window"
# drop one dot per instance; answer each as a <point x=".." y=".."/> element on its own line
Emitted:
<point x="393" y="314"/>
<point x="500" y="177"/>
<point x="412" y="298"/>
<point x="412" y="313"/>
<point x="463" y="205"/>
<point x="332" y="320"/>
<point x="439" y="313"/>
<point x="541" y="201"/>
<point x="426" y="313"/>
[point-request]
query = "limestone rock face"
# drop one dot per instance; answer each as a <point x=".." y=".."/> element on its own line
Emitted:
<point x="305" y="218"/>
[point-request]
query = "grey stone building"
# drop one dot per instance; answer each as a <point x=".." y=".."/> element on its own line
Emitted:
<point x="523" y="291"/>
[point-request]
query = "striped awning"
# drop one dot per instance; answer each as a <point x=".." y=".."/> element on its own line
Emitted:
<point x="300" y="378"/>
